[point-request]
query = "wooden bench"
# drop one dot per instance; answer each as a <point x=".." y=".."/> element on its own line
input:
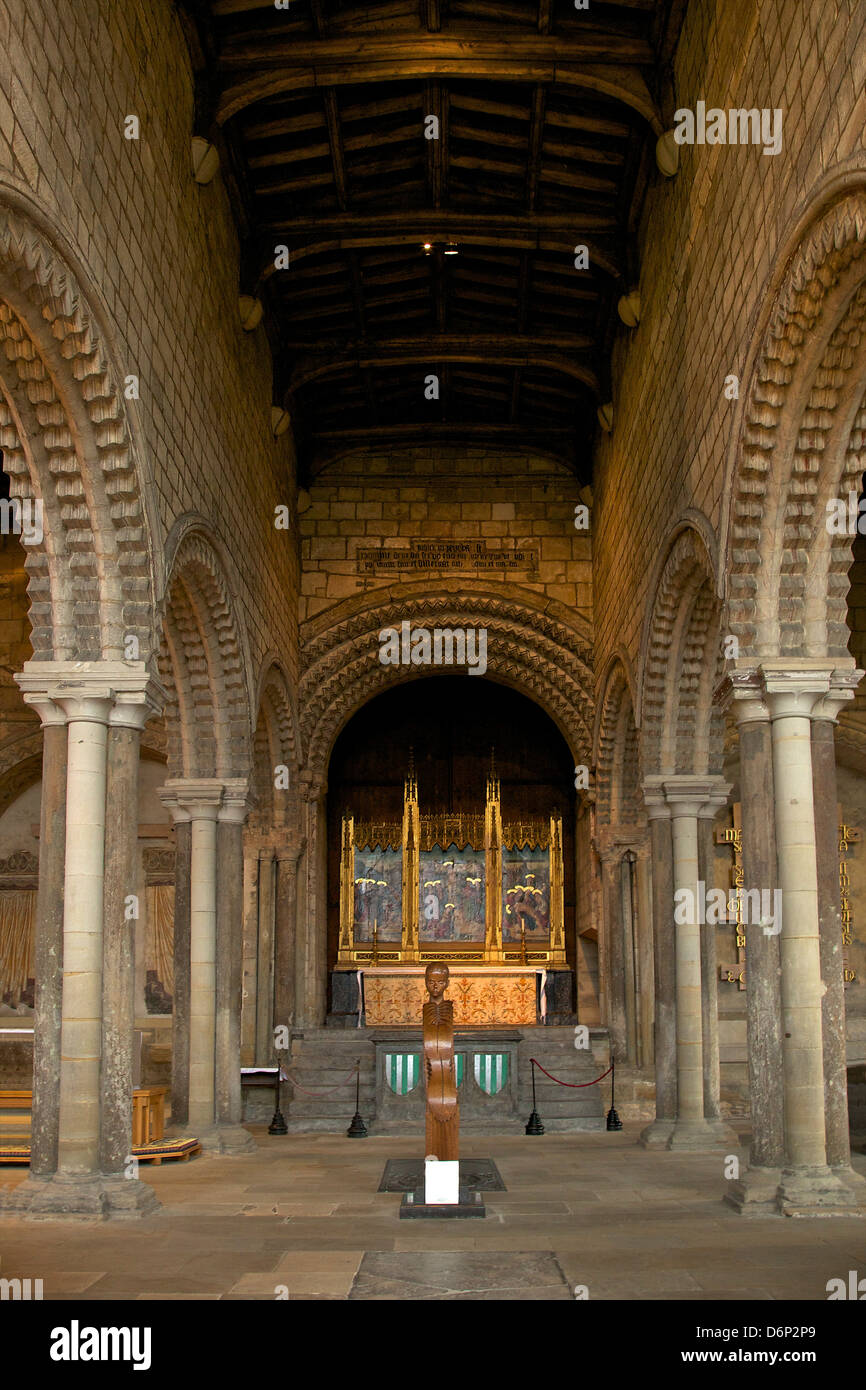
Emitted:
<point x="15" y="1108"/>
<point x="148" y="1115"/>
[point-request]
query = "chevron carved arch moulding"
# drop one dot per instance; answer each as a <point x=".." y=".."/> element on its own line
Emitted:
<point x="527" y="648"/>
<point x="66" y="445"/>
<point x="802" y="443"/>
<point x="202" y="667"/>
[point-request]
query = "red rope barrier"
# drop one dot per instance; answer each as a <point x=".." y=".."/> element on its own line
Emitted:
<point x="328" y="1089"/>
<point x="574" y="1085"/>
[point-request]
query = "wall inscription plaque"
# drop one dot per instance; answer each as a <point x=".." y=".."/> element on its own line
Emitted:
<point x="447" y="555"/>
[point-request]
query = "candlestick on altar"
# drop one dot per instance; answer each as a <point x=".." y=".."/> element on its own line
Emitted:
<point x="523" y="938"/>
<point x="375" y="942"/>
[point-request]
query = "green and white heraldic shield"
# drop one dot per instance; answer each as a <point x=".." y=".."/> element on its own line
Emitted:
<point x="491" y="1071"/>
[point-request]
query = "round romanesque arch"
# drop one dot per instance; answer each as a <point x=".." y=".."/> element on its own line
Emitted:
<point x="543" y="651"/>
<point x="617" y="781"/>
<point x="681" y="729"/>
<point x="801" y="442"/>
<point x="66" y="444"/>
<point x="203" y="667"/>
<point x="275" y="743"/>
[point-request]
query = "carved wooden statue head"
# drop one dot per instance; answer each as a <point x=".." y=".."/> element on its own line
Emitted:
<point x="436" y="979"/>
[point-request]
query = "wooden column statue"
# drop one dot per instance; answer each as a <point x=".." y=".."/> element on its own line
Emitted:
<point x="443" y="1121"/>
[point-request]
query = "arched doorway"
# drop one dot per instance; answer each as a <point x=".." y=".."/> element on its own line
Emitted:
<point x="451" y="723"/>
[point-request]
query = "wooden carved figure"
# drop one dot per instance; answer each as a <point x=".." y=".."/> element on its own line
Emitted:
<point x="443" y="1122"/>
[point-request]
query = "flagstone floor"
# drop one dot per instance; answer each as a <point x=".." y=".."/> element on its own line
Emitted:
<point x="302" y="1215"/>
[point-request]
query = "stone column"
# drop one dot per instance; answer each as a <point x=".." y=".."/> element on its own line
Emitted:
<point x="611" y="897"/>
<point x="265" y="960"/>
<point x="657" y="1134"/>
<point x="645" y="1002"/>
<point x="830" y="925"/>
<point x="45" y="1117"/>
<point x="755" y="1190"/>
<point x="126" y="721"/>
<point x="251" y="929"/>
<point x="200" y="800"/>
<point x="709" y="972"/>
<point x="233" y="1138"/>
<point x="285" y="921"/>
<point x="808" y="1186"/>
<point x="686" y="795"/>
<point x="69" y="1111"/>
<point x="311" y="942"/>
<point x="180" y="996"/>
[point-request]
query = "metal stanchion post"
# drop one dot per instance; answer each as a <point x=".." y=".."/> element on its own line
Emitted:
<point x="534" y="1126"/>
<point x="357" y="1129"/>
<point x="613" y="1120"/>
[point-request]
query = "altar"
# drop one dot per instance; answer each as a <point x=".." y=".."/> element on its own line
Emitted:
<point x="480" y="893"/>
<point x="483" y="996"/>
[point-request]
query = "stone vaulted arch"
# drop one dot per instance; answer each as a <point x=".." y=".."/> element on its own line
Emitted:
<point x="618" y="800"/>
<point x="275" y="742"/>
<point x="802" y="442"/>
<point x="533" y="649"/>
<point x="66" y="442"/>
<point x="202" y="666"/>
<point x="681" y="729"/>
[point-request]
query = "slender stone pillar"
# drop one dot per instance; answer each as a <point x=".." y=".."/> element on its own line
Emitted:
<point x="180" y="996"/>
<point x="613" y="926"/>
<point x="807" y="1185"/>
<point x="710" y="974"/>
<point x="756" y="1188"/>
<point x="285" y="925"/>
<point x="265" y="960"/>
<point x="233" y="1138"/>
<point x="251" y="931"/>
<point x="200" y="800"/>
<point x="311" y="954"/>
<point x="657" y="1134"/>
<point x="126" y="720"/>
<point x="45" y="1117"/>
<point x="830" y="924"/>
<point x="686" y="795"/>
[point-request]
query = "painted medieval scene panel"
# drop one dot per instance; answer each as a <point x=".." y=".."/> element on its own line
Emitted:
<point x="378" y="881"/>
<point x="452" y="895"/>
<point x="525" y="893"/>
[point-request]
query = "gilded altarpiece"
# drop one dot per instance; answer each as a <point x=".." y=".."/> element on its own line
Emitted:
<point x="485" y="896"/>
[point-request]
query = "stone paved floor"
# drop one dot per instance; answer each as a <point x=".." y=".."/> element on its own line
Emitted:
<point x="303" y="1212"/>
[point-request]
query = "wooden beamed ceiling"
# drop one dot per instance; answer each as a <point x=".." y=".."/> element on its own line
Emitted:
<point x="546" y="118"/>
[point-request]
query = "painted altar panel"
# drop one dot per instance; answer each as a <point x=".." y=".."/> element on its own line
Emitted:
<point x="378" y="888"/>
<point x="451" y="899"/>
<point x="525" y="893"/>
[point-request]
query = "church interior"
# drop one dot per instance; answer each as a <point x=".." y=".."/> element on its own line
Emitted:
<point x="433" y="442"/>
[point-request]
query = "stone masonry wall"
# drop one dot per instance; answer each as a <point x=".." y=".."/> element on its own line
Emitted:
<point x="708" y="242"/>
<point x="162" y="255"/>
<point x="497" y="501"/>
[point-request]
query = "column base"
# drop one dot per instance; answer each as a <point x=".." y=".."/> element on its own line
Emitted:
<point x="816" y="1191"/>
<point x="656" y="1134"/>
<point x="754" y="1194"/>
<point x="73" y="1198"/>
<point x="699" y="1136"/>
<point x="227" y="1139"/>
<point x="726" y="1133"/>
<point x="850" y="1178"/>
